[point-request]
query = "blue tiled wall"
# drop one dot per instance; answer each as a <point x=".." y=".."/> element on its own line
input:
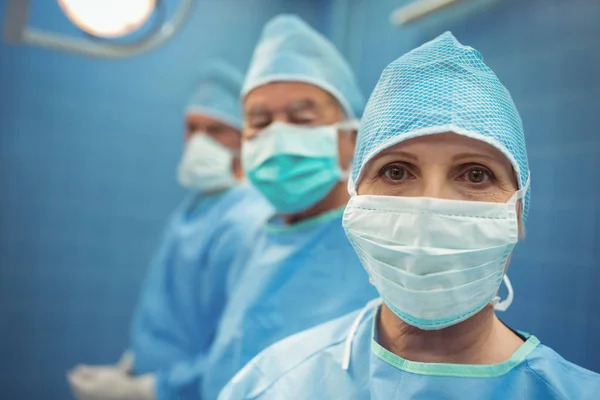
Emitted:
<point x="547" y="52"/>
<point x="88" y="150"/>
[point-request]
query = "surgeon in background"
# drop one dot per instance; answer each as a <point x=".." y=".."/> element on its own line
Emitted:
<point x="301" y="102"/>
<point x="186" y="287"/>
<point x="439" y="198"/>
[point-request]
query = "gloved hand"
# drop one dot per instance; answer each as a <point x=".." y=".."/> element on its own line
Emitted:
<point x="111" y="382"/>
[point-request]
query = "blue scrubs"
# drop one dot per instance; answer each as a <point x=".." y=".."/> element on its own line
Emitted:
<point x="186" y="288"/>
<point x="297" y="277"/>
<point x="309" y="366"/>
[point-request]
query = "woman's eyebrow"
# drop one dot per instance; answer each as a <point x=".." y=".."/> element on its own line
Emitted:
<point x="464" y="156"/>
<point x="398" y="153"/>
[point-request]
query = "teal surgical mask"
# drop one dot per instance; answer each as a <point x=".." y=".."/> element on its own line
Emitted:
<point x="293" y="166"/>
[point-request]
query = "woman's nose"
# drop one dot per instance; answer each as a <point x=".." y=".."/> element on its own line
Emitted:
<point x="436" y="187"/>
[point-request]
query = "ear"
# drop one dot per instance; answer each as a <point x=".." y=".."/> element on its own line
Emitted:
<point x="353" y="135"/>
<point x="346" y="145"/>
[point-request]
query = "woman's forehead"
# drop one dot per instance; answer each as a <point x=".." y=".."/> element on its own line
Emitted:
<point x="444" y="146"/>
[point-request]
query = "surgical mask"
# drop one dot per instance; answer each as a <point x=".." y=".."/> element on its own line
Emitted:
<point x="206" y="165"/>
<point x="435" y="262"/>
<point x="293" y="166"/>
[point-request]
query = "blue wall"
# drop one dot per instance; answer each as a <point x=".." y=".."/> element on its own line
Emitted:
<point x="547" y="52"/>
<point x="88" y="150"/>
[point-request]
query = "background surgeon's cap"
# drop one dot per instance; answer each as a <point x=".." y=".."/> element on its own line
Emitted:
<point x="290" y="50"/>
<point x="218" y="94"/>
<point x="439" y="87"/>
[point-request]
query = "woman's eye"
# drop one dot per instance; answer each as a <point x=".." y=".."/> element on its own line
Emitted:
<point x="395" y="172"/>
<point x="477" y="175"/>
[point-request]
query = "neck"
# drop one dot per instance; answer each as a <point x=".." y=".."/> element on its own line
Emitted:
<point x="336" y="198"/>
<point x="482" y="339"/>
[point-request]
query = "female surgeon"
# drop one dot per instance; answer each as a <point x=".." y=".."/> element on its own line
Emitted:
<point x="439" y="196"/>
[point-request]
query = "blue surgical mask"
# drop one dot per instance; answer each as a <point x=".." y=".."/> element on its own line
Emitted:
<point x="293" y="166"/>
<point x="435" y="262"/>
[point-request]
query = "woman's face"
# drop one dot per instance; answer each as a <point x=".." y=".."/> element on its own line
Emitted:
<point x="445" y="166"/>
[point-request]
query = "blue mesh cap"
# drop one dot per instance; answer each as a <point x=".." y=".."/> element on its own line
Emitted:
<point x="218" y="94"/>
<point x="290" y="50"/>
<point x="441" y="86"/>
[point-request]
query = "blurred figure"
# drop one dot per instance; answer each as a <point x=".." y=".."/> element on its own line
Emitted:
<point x="301" y="102"/>
<point x="186" y="288"/>
<point x="440" y="193"/>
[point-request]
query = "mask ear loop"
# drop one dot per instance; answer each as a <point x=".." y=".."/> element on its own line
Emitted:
<point x="345" y="174"/>
<point x="521" y="193"/>
<point x="348" y="126"/>
<point x="351" y="189"/>
<point x="504" y="304"/>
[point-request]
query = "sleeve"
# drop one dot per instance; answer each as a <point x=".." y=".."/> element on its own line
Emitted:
<point x="156" y="332"/>
<point x="183" y="380"/>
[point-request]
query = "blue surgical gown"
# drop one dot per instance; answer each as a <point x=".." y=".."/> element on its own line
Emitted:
<point x="185" y="290"/>
<point x="296" y="277"/>
<point x="309" y="366"/>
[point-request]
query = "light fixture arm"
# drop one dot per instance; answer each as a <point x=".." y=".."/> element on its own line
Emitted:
<point x="417" y="10"/>
<point x="16" y="31"/>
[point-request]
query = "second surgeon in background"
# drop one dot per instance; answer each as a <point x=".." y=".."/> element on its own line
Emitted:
<point x="298" y="97"/>
<point x="185" y="291"/>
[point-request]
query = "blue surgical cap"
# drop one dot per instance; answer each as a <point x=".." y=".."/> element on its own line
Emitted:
<point x="218" y="94"/>
<point x="440" y="87"/>
<point x="290" y="50"/>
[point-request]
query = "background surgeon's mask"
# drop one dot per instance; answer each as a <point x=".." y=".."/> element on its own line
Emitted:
<point x="293" y="166"/>
<point x="206" y="165"/>
<point x="435" y="262"/>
